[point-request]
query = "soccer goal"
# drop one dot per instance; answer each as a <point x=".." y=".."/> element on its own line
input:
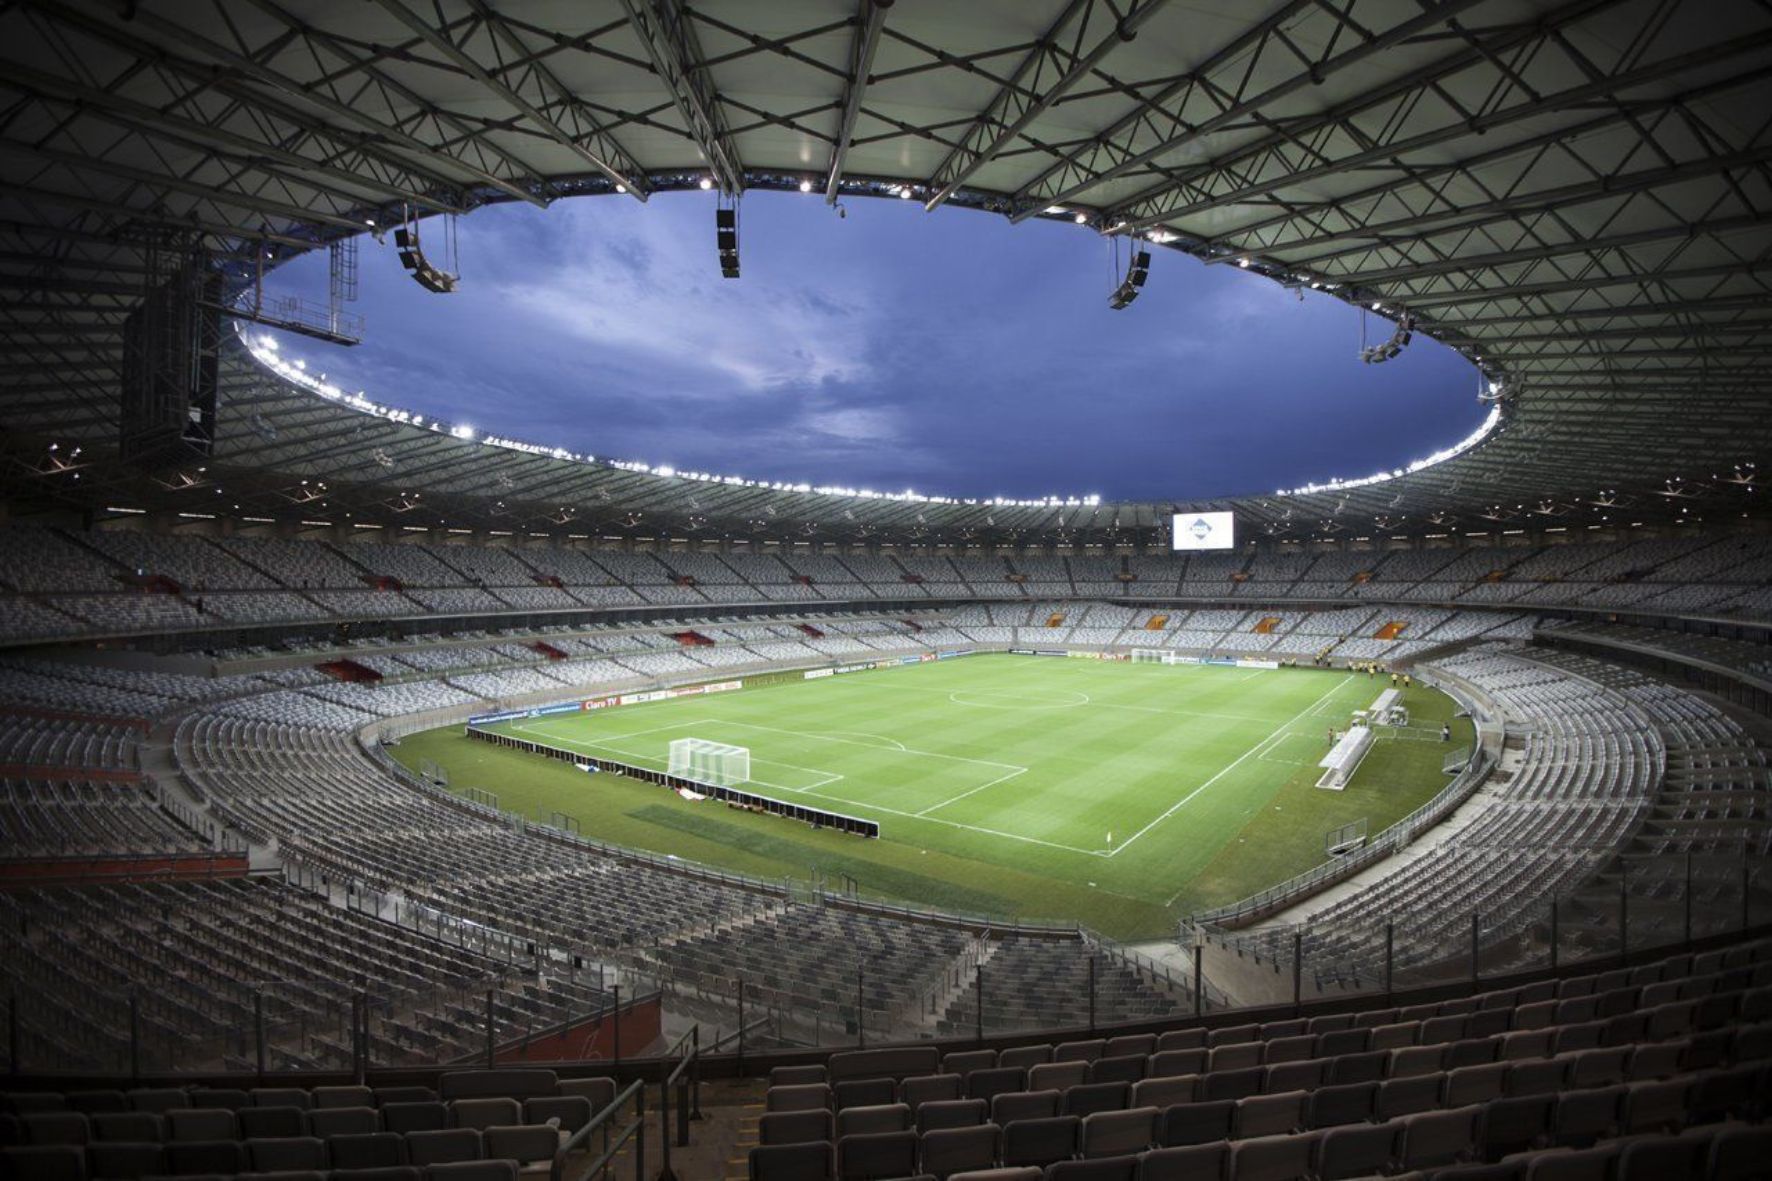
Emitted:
<point x="1152" y="656"/>
<point x="715" y="763"/>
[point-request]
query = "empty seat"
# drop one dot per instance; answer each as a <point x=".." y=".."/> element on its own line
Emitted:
<point x="1403" y="1096"/>
<point x="425" y="1116"/>
<point x="43" y="1162"/>
<point x="1473" y="1084"/>
<point x="1197" y="1123"/>
<point x="1670" y="1158"/>
<point x="1141" y="1044"/>
<point x="1236" y="1056"/>
<point x="97" y="1101"/>
<point x="281" y="1097"/>
<point x="1336" y="1042"/>
<point x="882" y="1117"/>
<point x="523" y="1143"/>
<point x="1590" y="1164"/>
<point x="56" y="1127"/>
<point x="794" y="1127"/>
<point x="443" y="1146"/>
<point x="864" y="1092"/>
<point x="475" y="1113"/>
<point x="1342" y="1103"/>
<point x="1307" y="1075"/>
<point x="1289" y="1049"/>
<point x="158" y="1099"/>
<point x="799" y="1097"/>
<point x="134" y="1127"/>
<point x="871" y="1156"/>
<point x="984" y="1084"/>
<point x="1057" y="1076"/>
<point x="366" y="1150"/>
<point x="964" y="1062"/>
<point x="1517" y="1123"/>
<point x="1087" y="1050"/>
<point x="1193" y="1162"/>
<point x="391" y="1173"/>
<point x="1657" y="1105"/>
<point x="201" y="1123"/>
<point x="1270" y="1115"/>
<point x="1025" y="1056"/>
<point x="1092" y="1097"/>
<point x="340" y="1121"/>
<point x="1433" y="1138"/>
<point x="927" y="1088"/>
<point x="480" y="1170"/>
<point x="572" y="1111"/>
<point x="1356" y="1151"/>
<point x="1166" y="1063"/>
<point x="951" y="1113"/>
<point x="1586" y="1116"/>
<point x="1105" y="1168"/>
<point x="1232" y="1084"/>
<point x="946" y="1151"/>
<point x="286" y="1154"/>
<point x="1117" y="1133"/>
<point x="1181" y="1039"/>
<point x="1163" y="1092"/>
<point x="224" y="1157"/>
<point x="1127" y="1069"/>
<point x="125" y="1160"/>
<point x="415" y="1094"/>
<point x="1040" y="1141"/>
<point x="793" y="1162"/>
<point x="1006" y="1109"/>
<point x="265" y="1122"/>
<point x="350" y="1096"/>
<point x="1274" y="1158"/>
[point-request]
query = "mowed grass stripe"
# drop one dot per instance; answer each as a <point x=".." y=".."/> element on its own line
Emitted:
<point x="1108" y="748"/>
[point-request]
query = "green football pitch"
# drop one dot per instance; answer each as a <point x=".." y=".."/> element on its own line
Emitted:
<point x="1123" y="796"/>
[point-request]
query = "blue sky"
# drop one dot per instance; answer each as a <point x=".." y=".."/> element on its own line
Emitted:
<point x="950" y="353"/>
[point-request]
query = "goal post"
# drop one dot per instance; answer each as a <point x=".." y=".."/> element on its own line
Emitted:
<point x="717" y="764"/>
<point x="1152" y="656"/>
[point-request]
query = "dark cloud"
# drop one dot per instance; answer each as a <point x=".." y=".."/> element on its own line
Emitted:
<point x="951" y="352"/>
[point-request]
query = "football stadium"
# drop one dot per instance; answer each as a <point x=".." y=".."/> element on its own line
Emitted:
<point x="484" y="693"/>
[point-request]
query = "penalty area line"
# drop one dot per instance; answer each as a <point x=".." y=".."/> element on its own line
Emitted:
<point x="1270" y="740"/>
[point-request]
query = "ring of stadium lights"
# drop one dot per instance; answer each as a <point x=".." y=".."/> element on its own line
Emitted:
<point x="264" y="349"/>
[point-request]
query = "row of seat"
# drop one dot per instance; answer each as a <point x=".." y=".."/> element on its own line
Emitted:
<point x="1422" y="1151"/>
<point x="67" y="1163"/>
<point x="182" y="1124"/>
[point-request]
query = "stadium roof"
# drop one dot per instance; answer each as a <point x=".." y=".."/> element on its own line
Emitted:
<point x="1575" y="194"/>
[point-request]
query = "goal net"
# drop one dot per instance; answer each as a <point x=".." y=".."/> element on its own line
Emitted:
<point x="703" y="761"/>
<point x="1152" y="656"/>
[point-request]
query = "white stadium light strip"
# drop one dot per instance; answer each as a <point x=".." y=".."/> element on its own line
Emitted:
<point x="1489" y="423"/>
<point x="264" y="350"/>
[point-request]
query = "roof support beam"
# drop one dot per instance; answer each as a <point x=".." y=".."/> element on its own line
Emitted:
<point x="250" y="68"/>
<point x="870" y="20"/>
<point x="1070" y="179"/>
<point x="601" y="152"/>
<point x="664" y="29"/>
<point x="1201" y="189"/>
<point x="1021" y="100"/>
